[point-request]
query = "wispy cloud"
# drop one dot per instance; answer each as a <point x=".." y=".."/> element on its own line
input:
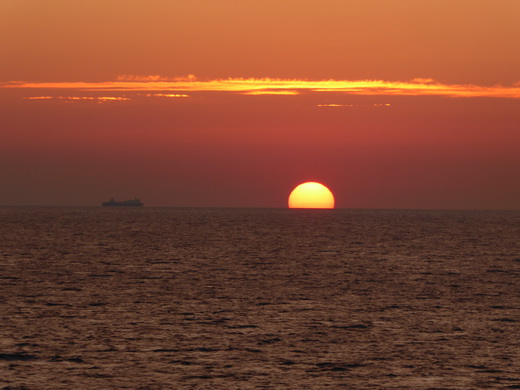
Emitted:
<point x="265" y="86"/>
<point x="339" y="105"/>
<point x="271" y="92"/>
<point x="154" y="77"/>
<point x="168" y="95"/>
<point x="38" y="97"/>
<point x="98" y="99"/>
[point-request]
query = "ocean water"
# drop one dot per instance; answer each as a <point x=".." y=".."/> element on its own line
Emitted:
<point x="165" y="298"/>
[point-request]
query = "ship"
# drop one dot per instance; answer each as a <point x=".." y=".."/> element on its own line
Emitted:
<point x="127" y="203"/>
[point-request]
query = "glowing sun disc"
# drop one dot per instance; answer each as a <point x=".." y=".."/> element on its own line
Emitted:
<point x="311" y="195"/>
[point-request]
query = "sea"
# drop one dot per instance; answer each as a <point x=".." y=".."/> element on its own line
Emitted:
<point x="230" y="298"/>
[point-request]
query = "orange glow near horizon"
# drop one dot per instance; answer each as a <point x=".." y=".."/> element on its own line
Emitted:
<point x="311" y="195"/>
<point x="234" y="103"/>
<point x="266" y="86"/>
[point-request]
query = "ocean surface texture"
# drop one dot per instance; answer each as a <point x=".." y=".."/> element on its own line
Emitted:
<point x="100" y="298"/>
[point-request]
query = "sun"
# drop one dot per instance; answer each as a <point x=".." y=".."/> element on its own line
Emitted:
<point x="311" y="195"/>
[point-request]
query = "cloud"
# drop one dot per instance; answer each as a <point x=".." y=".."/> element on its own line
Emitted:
<point x="154" y="77"/>
<point x="422" y="80"/>
<point x="39" y="97"/>
<point x="98" y="99"/>
<point x="335" y="105"/>
<point x="168" y="95"/>
<point x="270" y="92"/>
<point x="265" y="86"/>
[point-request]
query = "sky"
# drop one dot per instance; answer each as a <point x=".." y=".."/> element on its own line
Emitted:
<point x="196" y="103"/>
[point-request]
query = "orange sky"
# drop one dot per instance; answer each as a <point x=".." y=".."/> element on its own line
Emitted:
<point x="391" y="104"/>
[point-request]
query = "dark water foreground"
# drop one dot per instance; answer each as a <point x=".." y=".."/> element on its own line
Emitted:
<point x="259" y="299"/>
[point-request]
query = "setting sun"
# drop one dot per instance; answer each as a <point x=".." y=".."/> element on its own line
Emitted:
<point x="311" y="195"/>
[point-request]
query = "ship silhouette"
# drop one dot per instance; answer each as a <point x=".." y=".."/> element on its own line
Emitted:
<point x="127" y="203"/>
